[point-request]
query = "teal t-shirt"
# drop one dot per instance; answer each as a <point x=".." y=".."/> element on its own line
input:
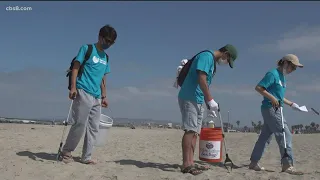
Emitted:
<point x="190" y="89"/>
<point x="94" y="70"/>
<point x="275" y="83"/>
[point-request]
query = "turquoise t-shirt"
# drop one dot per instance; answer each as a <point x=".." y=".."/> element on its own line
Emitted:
<point x="275" y="83"/>
<point x="190" y="89"/>
<point x="94" y="70"/>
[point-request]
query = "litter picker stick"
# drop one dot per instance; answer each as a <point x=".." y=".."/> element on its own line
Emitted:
<point x="316" y="112"/>
<point x="227" y="160"/>
<point x="285" y="154"/>
<point x="65" y="123"/>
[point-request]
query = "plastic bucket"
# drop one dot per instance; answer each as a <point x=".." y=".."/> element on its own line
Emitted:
<point x="210" y="145"/>
<point x="105" y="124"/>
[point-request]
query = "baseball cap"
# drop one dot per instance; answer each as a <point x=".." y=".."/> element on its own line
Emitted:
<point x="293" y="59"/>
<point x="233" y="53"/>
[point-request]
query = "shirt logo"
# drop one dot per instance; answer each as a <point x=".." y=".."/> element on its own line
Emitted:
<point x="280" y="83"/>
<point x="98" y="60"/>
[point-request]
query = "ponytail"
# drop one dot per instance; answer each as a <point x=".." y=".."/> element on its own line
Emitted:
<point x="280" y="62"/>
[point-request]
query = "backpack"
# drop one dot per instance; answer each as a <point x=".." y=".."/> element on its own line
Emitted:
<point x="87" y="56"/>
<point x="184" y="71"/>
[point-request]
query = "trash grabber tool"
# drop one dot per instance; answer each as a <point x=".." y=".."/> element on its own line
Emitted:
<point x="285" y="154"/>
<point x="65" y="123"/>
<point x="227" y="160"/>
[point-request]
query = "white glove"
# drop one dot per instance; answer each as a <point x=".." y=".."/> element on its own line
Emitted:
<point x="295" y="107"/>
<point x="213" y="106"/>
<point x="212" y="113"/>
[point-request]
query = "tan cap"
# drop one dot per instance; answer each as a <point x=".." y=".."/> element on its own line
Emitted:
<point x="293" y="59"/>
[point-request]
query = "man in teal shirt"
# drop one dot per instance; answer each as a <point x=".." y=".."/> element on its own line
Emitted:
<point x="88" y="93"/>
<point x="194" y="96"/>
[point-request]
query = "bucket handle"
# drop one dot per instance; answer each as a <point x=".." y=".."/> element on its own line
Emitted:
<point x="109" y="118"/>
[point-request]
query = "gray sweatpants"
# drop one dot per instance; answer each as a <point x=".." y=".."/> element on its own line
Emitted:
<point x="86" y="111"/>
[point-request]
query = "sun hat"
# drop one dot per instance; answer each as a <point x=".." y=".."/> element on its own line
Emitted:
<point x="293" y="59"/>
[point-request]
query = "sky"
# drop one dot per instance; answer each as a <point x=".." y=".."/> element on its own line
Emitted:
<point x="38" y="45"/>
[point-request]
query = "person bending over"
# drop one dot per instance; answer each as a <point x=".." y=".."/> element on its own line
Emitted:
<point x="194" y="96"/>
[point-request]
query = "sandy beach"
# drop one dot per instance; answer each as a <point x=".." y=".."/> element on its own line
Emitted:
<point x="28" y="152"/>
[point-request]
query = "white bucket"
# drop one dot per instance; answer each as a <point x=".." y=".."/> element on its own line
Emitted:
<point x="105" y="124"/>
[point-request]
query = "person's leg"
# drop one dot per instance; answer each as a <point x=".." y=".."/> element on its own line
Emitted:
<point x="187" y="148"/>
<point x="277" y="128"/>
<point x="287" y="163"/>
<point x="91" y="132"/>
<point x="258" y="150"/>
<point x="80" y="112"/>
<point x="190" y="126"/>
<point x="264" y="139"/>
<point x="200" y="109"/>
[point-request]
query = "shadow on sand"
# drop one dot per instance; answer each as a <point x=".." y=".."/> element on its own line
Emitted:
<point x="41" y="156"/>
<point x="166" y="167"/>
<point x="221" y="165"/>
<point x="139" y="164"/>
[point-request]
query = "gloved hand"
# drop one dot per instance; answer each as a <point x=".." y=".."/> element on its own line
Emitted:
<point x="295" y="106"/>
<point x="212" y="107"/>
<point x="212" y="113"/>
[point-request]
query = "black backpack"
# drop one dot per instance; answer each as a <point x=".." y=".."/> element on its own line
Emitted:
<point x="87" y="56"/>
<point x="184" y="71"/>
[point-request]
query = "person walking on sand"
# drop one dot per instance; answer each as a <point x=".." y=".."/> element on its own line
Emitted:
<point x="272" y="87"/>
<point x="193" y="96"/>
<point x="88" y="94"/>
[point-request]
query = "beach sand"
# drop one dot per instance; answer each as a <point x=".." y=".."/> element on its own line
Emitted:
<point x="148" y="154"/>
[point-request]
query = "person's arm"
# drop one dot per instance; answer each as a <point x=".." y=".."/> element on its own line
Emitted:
<point x="261" y="90"/>
<point x="75" y="70"/>
<point x="287" y="102"/>
<point x="204" y="85"/>
<point x="103" y="87"/>
<point x="77" y="63"/>
<point x="266" y="82"/>
<point x="203" y="66"/>
<point x="103" y="82"/>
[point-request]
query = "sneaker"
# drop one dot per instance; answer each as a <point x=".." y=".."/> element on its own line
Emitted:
<point x="256" y="167"/>
<point x="292" y="170"/>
